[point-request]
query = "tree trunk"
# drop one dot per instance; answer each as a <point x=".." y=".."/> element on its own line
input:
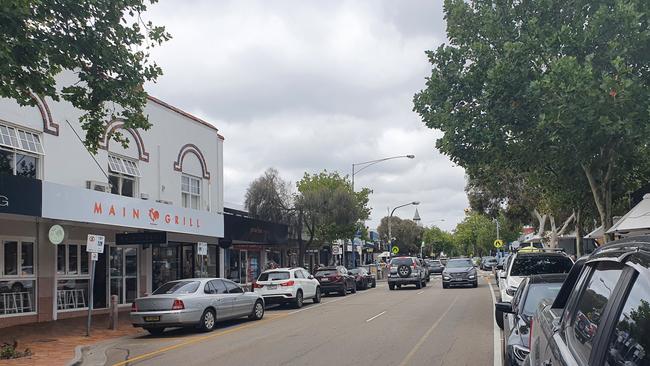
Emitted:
<point x="541" y="222"/>
<point x="578" y="228"/>
<point x="602" y="193"/>
<point x="555" y="233"/>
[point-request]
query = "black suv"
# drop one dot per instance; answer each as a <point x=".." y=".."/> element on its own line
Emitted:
<point x="406" y="271"/>
<point x="601" y="316"/>
<point x="459" y="271"/>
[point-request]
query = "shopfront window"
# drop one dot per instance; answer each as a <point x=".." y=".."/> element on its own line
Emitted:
<point x="213" y="261"/>
<point x="72" y="276"/>
<point x="233" y="265"/>
<point x="17" y="277"/>
<point x="166" y="265"/>
<point x="124" y="273"/>
<point x="254" y="269"/>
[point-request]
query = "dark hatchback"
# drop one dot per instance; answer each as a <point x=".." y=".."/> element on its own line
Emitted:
<point x="530" y="293"/>
<point x="363" y="278"/>
<point x="435" y="266"/>
<point x="459" y="271"/>
<point x="335" y="279"/>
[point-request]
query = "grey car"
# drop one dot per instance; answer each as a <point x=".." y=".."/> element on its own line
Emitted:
<point x="195" y="302"/>
<point x="459" y="271"/>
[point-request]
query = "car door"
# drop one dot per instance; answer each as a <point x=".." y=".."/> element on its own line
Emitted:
<point x="310" y="283"/>
<point x="242" y="304"/>
<point x="299" y="278"/>
<point x="220" y="299"/>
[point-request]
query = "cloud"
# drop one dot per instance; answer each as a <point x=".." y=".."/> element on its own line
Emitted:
<point x="309" y="85"/>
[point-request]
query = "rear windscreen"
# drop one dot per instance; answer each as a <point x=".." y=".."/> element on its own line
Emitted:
<point x="401" y="261"/>
<point x="326" y="272"/>
<point x="177" y="287"/>
<point x="527" y="265"/>
<point x="273" y="276"/>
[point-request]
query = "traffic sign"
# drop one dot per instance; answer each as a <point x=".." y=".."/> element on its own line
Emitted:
<point x="498" y="243"/>
<point x="95" y="244"/>
<point x="202" y="248"/>
<point x="395" y="250"/>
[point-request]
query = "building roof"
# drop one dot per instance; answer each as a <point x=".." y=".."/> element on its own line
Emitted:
<point x="638" y="218"/>
<point x="184" y="114"/>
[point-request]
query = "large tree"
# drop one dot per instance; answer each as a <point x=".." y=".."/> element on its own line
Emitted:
<point x="536" y="85"/>
<point x="407" y="235"/>
<point x="105" y="44"/>
<point x="269" y="197"/>
<point x="437" y="240"/>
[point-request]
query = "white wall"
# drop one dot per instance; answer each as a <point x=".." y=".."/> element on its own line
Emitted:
<point x="66" y="161"/>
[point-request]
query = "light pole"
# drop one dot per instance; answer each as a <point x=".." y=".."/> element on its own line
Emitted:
<point x="390" y="233"/>
<point x="364" y="165"/>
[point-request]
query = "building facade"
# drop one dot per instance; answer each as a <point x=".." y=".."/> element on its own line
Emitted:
<point x="153" y="202"/>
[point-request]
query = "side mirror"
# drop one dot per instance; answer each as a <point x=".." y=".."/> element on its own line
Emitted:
<point x="311" y="277"/>
<point x="504" y="307"/>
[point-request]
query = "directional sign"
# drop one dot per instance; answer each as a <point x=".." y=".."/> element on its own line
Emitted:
<point x="395" y="250"/>
<point x="498" y="243"/>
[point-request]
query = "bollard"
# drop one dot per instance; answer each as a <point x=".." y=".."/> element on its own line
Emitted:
<point x="112" y="316"/>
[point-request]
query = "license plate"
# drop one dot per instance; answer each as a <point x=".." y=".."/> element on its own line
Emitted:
<point x="272" y="287"/>
<point x="325" y="279"/>
<point x="152" y="318"/>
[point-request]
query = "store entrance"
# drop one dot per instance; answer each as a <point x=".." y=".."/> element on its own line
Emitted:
<point x="172" y="262"/>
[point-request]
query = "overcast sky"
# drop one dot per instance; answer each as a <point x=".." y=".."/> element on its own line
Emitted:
<point x="312" y="85"/>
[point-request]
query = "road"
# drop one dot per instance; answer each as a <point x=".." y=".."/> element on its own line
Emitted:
<point x="431" y="326"/>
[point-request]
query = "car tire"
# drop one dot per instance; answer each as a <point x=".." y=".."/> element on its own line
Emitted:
<point x="298" y="302"/>
<point x="418" y="285"/>
<point x="445" y="285"/>
<point x="424" y="284"/>
<point x="155" y="331"/>
<point x="343" y="291"/>
<point x="391" y="286"/>
<point x="258" y="311"/>
<point x="208" y="321"/>
<point x="475" y="284"/>
<point x="354" y="288"/>
<point x="374" y="283"/>
<point x="317" y="296"/>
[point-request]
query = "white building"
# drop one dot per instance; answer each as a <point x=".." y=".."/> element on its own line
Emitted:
<point x="165" y="191"/>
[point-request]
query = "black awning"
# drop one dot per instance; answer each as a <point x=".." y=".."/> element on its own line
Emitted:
<point x="253" y="231"/>
<point x="20" y="195"/>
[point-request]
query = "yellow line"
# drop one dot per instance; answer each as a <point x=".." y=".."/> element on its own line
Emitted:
<point x="196" y="340"/>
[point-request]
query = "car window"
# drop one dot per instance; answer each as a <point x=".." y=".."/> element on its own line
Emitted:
<point x="219" y="286"/>
<point x="629" y="343"/>
<point x="459" y="263"/>
<point x="298" y="274"/>
<point x="589" y="308"/>
<point x="401" y="262"/>
<point x="527" y="265"/>
<point x="233" y="288"/>
<point x="517" y="297"/>
<point x="326" y="272"/>
<point x="209" y="289"/>
<point x="178" y="287"/>
<point x="537" y="292"/>
<point x="305" y="273"/>
<point x="274" y="276"/>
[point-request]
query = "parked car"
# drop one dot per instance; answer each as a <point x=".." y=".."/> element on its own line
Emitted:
<point x="363" y="278"/>
<point x="435" y="266"/>
<point x="335" y="279"/>
<point x="501" y="261"/>
<point x="530" y="293"/>
<point x="601" y="315"/>
<point x="459" y="271"/>
<point x="406" y="271"/>
<point x="488" y="262"/>
<point x="425" y="268"/>
<point x="195" y="302"/>
<point x="287" y="285"/>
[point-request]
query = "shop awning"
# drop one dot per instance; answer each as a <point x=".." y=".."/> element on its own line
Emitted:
<point x="637" y="219"/>
<point x="252" y="231"/>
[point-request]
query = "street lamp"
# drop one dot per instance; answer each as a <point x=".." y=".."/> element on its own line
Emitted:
<point x="390" y="233"/>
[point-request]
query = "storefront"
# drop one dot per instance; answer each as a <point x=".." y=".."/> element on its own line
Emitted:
<point x="251" y="246"/>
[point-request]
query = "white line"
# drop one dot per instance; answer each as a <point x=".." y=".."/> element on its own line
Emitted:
<point x="497" y="333"/>
<point x="421" y="292"/>
<point x="375" y="317"/>
<point x="322" y="303"/>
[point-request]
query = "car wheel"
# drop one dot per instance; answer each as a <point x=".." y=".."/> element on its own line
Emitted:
<point x="399" y="287"/>
<point x="374" y="283"/>
<point x="317" y="296"/>
<point x="391" y="286"/>
<point x="343" y="291"/>
<point x="444" y="285"/>
<point x="258" y="311"/>
<point x="297" y="303"/>
<point x="418" y="285"/>
<point x="424" y="284"/>
<point x="354" y="288"/>
<point x="475" y="284"/>
<point x="207" y="321"/>
<point x="155" y="331"/>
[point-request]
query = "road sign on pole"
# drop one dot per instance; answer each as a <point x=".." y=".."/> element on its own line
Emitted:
<point x="498" y="243"/>
<point x="395" y="249"/>
<point x="95" y="246"/>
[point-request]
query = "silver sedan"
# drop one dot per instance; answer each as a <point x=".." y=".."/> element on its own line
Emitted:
<point x="198" y="302"/>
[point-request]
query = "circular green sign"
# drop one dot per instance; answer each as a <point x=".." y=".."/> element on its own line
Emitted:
<point x="395" y="250"/>
<point x="56" y="234"/>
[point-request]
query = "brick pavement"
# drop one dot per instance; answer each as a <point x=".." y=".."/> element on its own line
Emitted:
<point x="54" y="343"/>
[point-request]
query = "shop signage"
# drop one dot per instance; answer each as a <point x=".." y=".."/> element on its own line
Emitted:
<point x="20" y="195"/>
<point x="241" y="229"/>
<point x="84" y="205"/>
<point x="56" y="234"/>
<point x="146" y="238"/>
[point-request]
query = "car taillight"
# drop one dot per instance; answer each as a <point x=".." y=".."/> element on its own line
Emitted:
<point x="257" y="285"/>
<point x="288" y="283"/>
<point x="530" y="334"/>
<point x="178" y="305"/>
<point x="134" y="307"/>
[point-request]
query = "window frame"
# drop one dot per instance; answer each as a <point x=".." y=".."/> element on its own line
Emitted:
<point x="189" y="193"/>
<point x="121" y="299"/>
<point x="124" y="174"/>
<point x="17" y="140"/>
<point x="39" y="160"/>
<point x="19" y="276"/>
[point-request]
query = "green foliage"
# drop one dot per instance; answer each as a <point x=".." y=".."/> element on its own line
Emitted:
<point x="475" y="235"/>
<point x="551" y="92"/>
<point x="406" y="233"/>
<point x="9" y="351"/>
<point x="106" y="44"/>
<point x="437" y="240"/>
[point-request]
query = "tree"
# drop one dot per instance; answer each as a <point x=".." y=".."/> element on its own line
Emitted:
<point x="104" y="43"/>
<point x="329" y="208"/>
<point x="437" y="240"/>
<point x="533" y="86"/>
<point x="269" y="198"/>
<point x="406" y="233"/>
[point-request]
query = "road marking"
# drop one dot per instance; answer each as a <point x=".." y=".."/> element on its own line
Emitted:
<point x="497" y="333"/>
<point x="421" y="292"/>
<point x="375" y="317"/>
<point x="195" y="340"/>
<point x="426" y="335"/>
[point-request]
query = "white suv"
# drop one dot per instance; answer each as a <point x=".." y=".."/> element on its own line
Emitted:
<point x="287" y="285"/>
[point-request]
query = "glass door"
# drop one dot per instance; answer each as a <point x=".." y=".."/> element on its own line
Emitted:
<point x="124" y="273"/>
<point x="188" y="261"/>
<point x="166" y="264"/>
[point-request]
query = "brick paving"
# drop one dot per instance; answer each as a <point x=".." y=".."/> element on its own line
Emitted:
<point x="54" y="343"/>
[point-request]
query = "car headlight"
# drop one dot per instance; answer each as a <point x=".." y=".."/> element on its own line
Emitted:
<point x="472" y="276"/>
<point x="445" y="276"/>
<point x="511" y="291"/>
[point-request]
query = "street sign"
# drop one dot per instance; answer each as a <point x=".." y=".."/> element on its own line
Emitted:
<point x="202" y="248"/>
<point x="95" y="244"/>
<point x="94" y="256"/>
<point x="336" y="250"/>
<point x="395" y="250"/>
<point x="498" y="243"/>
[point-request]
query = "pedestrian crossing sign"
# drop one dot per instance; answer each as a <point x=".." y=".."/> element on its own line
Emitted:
<point x="395" y="250"/>
<point x="498" y="243"/>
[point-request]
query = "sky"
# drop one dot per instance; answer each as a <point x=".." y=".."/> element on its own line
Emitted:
<point x="304" y="86"/>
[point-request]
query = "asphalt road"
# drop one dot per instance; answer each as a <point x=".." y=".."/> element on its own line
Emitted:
<point x="431" y="326"/>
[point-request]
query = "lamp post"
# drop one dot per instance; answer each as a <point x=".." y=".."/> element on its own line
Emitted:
<point x="390" y="233"/>
<point x="364" y="165"/>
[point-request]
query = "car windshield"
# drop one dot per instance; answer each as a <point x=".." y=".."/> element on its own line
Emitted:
<point x="401" y="261"/>
<point x="537" y="292"/>
<point x="178" y="287"/>
<point x="326" y="272"/>
<point x="459" y="263"/>
<point x="273" y="276"/>
<point x="526" y="265"/>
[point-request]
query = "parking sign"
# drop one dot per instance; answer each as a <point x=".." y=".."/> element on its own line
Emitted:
<point x="95" y="244"/>
<point x="202" y="248"/>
